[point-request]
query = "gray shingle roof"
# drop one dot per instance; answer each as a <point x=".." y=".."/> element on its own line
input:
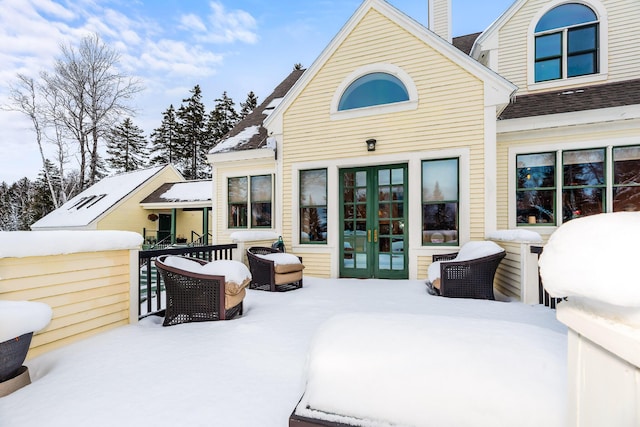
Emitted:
<point x="465" y="43"/>
<point x="592" y="97"/>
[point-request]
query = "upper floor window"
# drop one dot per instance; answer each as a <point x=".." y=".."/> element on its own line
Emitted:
<point x="373" y="89"/>
<point x="566" y="43"/>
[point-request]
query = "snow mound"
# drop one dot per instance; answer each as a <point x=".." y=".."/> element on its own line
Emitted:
<point x="21" y="317"/>
<point x="595" y="258"/>
<point x="399" y="369"/>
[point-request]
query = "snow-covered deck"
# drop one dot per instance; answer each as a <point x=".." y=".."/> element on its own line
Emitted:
<point x="249" y="371"/>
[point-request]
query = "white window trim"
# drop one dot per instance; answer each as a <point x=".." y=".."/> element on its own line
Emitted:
<point x="225" y="201"/>
<point x="608" y="145"/>
<point x="391" y="69"/>
<point x="603" y="49"/>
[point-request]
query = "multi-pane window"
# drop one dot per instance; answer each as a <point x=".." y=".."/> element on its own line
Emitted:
<point x="583" y="187"/>
<point x="626" y="179"/>
<point x="536" y="188"/>
<point x="373" y="89"/>
<point x="313" y="206"/>
<point x="566" y="43"/>
<point x="582" y="181"/>
<point x="440" y="202"/>
<point x="250" y="194"/>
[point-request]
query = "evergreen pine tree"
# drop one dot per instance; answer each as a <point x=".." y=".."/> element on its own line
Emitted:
<point x="191" y="135"/>
<point x="221" y="119"/>
<point x="248" y="105"/>
<point x="42" y="203"/>
<point x="164" y="139"/>
<point x="126" y="147"/>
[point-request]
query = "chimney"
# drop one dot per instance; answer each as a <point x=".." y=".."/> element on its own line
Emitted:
<point x="440" y="18"/>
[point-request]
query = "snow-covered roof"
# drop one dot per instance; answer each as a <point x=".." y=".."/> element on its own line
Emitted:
<point x="96" y="200"/>
<point x="188" y="192"/>
<point x="233" y="142"/>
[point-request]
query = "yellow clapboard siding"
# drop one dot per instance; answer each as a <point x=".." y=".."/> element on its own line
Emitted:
<point x="36" y="266"/>
<point x="87" y="292"/>
<point x="65" y="279"/>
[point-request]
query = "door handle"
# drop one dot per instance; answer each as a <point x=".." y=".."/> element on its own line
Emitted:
<point x="369" y="236"/>
<point x="375" y="235"/>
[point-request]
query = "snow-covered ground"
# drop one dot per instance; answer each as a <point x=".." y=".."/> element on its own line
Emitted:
<point x="251" y="371"/>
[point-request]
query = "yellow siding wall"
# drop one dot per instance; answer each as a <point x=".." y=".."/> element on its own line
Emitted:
<point x="624" y="50"/>
<point x="449" y="114"/>
<point x="129" y="215"/>
<point x="88" y="292"/>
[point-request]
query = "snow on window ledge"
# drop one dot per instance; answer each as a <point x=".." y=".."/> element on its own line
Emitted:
<point x="515" y="235"/>
<point x="253" y="235"/>
<point x="22" y="244"/>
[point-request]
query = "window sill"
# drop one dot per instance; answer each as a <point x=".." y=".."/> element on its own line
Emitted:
<point x="568" y="82"/>
<point x="375" y="110"/>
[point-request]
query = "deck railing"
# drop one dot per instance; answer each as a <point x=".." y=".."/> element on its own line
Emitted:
<point x="543" y="296"/>
<point x="150" y="286"/>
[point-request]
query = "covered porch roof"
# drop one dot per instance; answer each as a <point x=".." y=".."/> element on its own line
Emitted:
<point x="180" y="195"/>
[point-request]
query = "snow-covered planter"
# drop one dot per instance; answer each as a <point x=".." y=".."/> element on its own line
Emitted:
<point x="18" y="321"/>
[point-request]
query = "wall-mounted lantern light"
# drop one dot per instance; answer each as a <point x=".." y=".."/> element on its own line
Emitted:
<point x="371" y="144"/>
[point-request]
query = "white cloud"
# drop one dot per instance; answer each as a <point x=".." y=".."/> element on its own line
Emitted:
<point x="192" y="22"/>
<point x="228" y="26"/>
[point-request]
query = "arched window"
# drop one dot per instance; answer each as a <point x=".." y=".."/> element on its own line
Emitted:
<point x="373" y="89"/>
<point x="566" y="43"/>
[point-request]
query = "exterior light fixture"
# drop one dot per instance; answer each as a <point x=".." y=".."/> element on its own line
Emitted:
<point x="371" y="144"/>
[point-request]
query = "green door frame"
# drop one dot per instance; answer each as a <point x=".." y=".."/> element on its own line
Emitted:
<point x="373" y="222"/>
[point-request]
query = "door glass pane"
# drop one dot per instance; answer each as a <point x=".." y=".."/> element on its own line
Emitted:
<point x="384" y="177"/>
<point x="361" y="179"/>
<point x="397" y="177"/>
<point x="361" y="260"/>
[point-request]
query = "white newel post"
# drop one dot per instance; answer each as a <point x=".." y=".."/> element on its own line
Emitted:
<point x="603" y="369"/>
<point x="594" y="262"/>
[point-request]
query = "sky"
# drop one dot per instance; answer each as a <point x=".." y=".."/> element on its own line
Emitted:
<point x="171" y="45"/>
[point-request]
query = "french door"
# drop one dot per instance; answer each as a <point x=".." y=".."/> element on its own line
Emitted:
<point x="373" y="222"/>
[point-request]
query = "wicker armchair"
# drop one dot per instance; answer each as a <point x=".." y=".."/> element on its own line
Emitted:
<point x="267" y="275"/>
<point x="470" y="278"/>
<point x="196" y="297"/>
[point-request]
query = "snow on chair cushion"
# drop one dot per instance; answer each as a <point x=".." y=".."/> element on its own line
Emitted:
<point x="284" y="263"/>
<point x="468" y="251"/>
<point x="237" y="275"/>
<point x="183" y="264"/>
